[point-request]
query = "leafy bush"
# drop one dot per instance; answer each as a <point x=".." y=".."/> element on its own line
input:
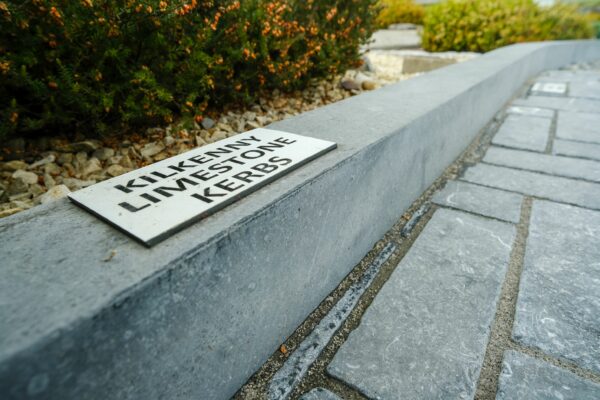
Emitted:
<point x="592" y="9"/>
<point x="398" y="11"/>
<point x="483" y="25"/>
<point x="88" y="65"/>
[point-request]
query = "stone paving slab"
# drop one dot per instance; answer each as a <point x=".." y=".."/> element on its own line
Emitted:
<point x="549" y="164"/>
<point x="523" y="132"/>
<point x="549" y="89"/>
<point x="580" y="126"/>
<point x="558" y="307"/>
<point x="576" y="149"/>
<point x="319" y="394"/>
<point x="531" y="111"/>
<point x="525" y="378"/>
<point x="589" y="89"/>
<point x="568" y="76"/>
<point x="560" y="103"/>
<point x="480" y="200"/>
<point x="409" y="344"/>
<point x="555" y="188"/>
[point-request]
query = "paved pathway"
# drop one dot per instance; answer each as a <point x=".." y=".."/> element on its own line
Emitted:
<point x="499" y="295"/>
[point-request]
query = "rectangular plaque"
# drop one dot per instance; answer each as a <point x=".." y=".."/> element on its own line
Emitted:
<point x="153" y="202"/>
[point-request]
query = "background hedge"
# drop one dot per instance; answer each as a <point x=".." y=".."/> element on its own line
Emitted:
<point x="399" y="11"/>
<point x="87" y="65"/>
<point x="483" y="25"/>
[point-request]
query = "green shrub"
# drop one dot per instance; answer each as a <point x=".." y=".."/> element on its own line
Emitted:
<point x="91" y="65"/>
<point x="483" y="25"/>
<point x="592" y="9"/>
<point x="565" y="21"/>
<point x="399" y="11"/>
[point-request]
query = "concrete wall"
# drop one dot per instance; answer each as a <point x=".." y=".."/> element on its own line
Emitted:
<point x="196" y="315"/>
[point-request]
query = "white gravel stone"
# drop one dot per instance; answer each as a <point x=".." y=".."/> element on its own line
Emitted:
<point x="27" y="177"/>
<point x="46" y="160"/>
<point x="151" y="149"/>
<point x="54" y="193"/>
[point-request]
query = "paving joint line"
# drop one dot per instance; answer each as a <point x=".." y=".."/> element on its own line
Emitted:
<point x="504" y="146"/>
<point x="539" y="172"/>
<point x="532" y="196"/>
<point x="501" y="331"/>
<point x="552" y="133"/>
<point x="577" y="157"/>
<point x="342" y="389"/>
<point x="557" y="362"/>
<point x="476" y="214"/>
<point x="579" y="141"/>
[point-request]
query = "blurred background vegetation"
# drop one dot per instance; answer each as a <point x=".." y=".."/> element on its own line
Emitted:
<point x="99" y="65"/>
<point x="476" y="25"/>
<point x="399" y="11"/>
<point x="484" y="25"/>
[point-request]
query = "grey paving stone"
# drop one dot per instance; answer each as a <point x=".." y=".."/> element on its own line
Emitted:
<point x="425" y="334"/>
<point x="576" y="149"/>
<point x="525" y="378"/>
<point x="568" y="76"/>
<point x="558" y="307"/>
<point x="580" y="126"/>
<point x="319" y="394"/>
<point x="549" y="164"/>
<point x="549" y="89"/>
<point x="555" y="188"/>
<point x="523" y="132"/>
<point x="531" y="111"/>
<point x="480" y="200"/>
<point x="589" y="89"/>
<point x="560" y="103"/>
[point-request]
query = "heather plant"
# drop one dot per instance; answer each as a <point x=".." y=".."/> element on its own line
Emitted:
<point x="94" y="65"/>
<point x="483" y="25"/>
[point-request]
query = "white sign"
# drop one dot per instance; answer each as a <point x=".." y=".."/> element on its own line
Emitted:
<point x="549" y="88"/>
<point x="153" y="202"/>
